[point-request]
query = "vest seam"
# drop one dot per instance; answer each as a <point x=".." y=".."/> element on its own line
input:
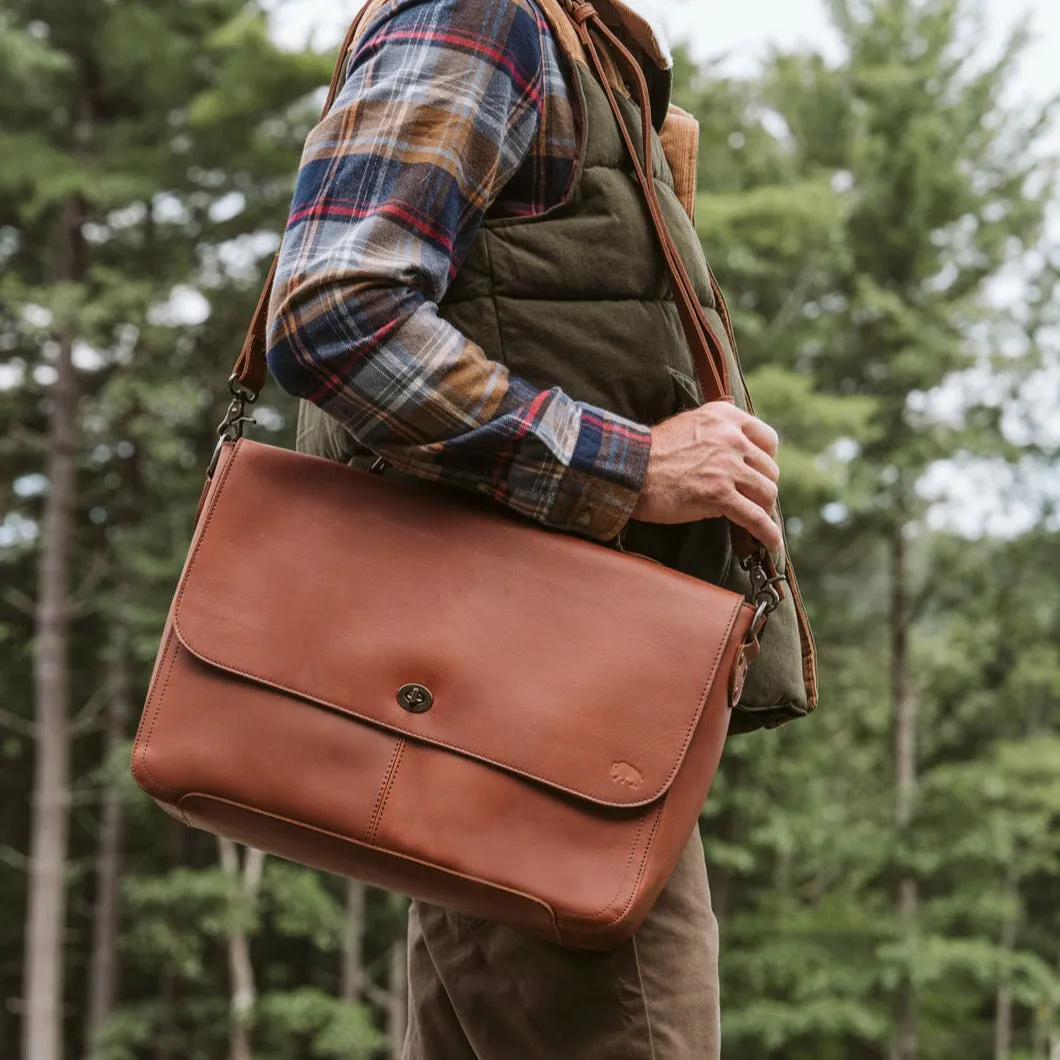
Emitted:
<point x="488" y="252"/>
<point x="555" y="212"/>
<point x="588" y="299"/>
<point x="581" y="118"/>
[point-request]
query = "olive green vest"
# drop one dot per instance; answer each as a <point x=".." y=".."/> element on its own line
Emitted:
<point x="579" y="297"/>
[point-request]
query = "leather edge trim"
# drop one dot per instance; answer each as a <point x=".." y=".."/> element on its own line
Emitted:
<point x="635" y="889"/>
<point x="631" y="897"/>
<point x="139" y="766"/>
<point x="609" y="917"/>
<point x="377" y="849"/>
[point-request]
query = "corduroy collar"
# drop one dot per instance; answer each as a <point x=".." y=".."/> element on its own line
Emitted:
<point x="641" y="19"/>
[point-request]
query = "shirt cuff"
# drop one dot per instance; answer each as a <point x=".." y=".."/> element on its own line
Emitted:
<point x="598" y="500"/>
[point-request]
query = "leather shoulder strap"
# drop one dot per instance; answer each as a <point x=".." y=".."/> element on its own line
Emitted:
<point x="707" y="349"/>
<point x="703" y="341"/>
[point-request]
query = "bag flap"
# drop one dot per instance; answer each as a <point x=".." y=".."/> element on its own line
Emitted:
<point x="554" y="658"/>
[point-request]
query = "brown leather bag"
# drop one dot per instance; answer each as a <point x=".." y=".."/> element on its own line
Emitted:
<point x="411" y="687"/>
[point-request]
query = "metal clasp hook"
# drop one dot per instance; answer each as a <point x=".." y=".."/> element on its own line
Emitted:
<point x="230" y="429"/>
<point x="764" y="593"/>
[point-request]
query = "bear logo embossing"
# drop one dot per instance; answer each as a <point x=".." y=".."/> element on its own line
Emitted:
<point x="624" y="773"/>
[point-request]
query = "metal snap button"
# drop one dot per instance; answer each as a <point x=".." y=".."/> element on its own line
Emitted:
<point x="416" y="699"/>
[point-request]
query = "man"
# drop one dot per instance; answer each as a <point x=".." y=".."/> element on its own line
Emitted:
<point x="468" y="288"/>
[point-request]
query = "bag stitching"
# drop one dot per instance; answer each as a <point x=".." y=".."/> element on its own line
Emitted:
<point x="387" y="788"/>
<point x="625" y="872"/>
<point x="538" y="902"/>
<point x="602" y="913"/>
<point x="382" y="788"/>
<point x="175" y="633"/>
<point x="158" y="696"/>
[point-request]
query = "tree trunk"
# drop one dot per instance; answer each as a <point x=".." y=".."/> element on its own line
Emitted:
<point x="352" y="987"/>
<point x="1007" y="943"/>
<point x="49" y="824"/>
<point x="1046" y="1043"/>
<point x="904" y="710"/>
<point x="103" y="975"/>
<point x="398" y="986"/>
<point x="167" y="1021"/>
<point x="168" y="1037"/>
<point x="240" y="968"/>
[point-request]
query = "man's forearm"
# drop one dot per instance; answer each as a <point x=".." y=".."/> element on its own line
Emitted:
<point x="416" y="391"/>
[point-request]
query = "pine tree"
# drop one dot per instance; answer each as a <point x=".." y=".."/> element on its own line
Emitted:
<point x="858" y="212"/>
<point x="104" y="105"/>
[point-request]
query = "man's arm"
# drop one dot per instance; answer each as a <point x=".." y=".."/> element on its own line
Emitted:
<point x="442" y="103"/>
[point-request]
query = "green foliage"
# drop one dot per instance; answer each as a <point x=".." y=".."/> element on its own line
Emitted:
<point x="302" y="906"/>
<point x="174" y="916"/>
<point x="331" y="1027"/>
<point x="858" y="213"/>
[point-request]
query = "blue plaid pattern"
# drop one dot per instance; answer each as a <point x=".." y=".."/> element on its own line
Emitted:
<point x="451" y="112"/>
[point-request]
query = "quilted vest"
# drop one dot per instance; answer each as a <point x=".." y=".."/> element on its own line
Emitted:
<point x="579" y="297"/>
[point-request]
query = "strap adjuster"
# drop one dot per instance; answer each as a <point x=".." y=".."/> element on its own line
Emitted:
<point x="580" y="10"/>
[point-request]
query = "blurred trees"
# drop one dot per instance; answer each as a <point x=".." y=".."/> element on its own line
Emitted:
<point x="863" y="215"/>
<point x="886" y="873"/>
<point x="147" y="154"/>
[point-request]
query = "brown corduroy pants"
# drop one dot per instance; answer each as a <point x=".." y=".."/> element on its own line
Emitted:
<point x="478" y="991"/>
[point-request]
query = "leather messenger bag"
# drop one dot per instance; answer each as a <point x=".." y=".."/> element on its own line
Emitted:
<point x="414" y="688"/>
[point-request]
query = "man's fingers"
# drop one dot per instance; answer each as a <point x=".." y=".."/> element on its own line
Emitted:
<point x="758" y="431"/>
<point x="763" y="463"/>
<point x="715" y="460"/>
<point x="762" y="435"/>
<point x="758" y="488"/>
<point x="754" y="519"/>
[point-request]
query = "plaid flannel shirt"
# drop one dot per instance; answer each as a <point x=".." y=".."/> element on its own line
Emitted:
<point x="450" y="113"/>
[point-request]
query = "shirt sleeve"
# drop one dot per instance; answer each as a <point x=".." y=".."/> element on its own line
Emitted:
<point x="441" y="106"/>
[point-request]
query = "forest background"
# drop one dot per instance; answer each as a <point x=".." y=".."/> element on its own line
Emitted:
<point x="886" y="873"/>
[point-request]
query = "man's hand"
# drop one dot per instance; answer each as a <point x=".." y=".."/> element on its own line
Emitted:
<point x="713" y="461"/>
